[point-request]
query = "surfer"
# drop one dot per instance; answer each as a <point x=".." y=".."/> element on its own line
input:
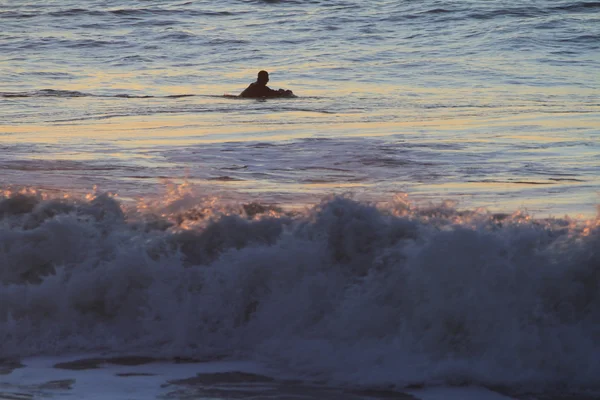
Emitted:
<point x="260" y="88"/>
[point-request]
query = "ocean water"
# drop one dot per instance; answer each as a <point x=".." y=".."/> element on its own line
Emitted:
<point x="424" y="212"/>
<point x="489" y="104"/>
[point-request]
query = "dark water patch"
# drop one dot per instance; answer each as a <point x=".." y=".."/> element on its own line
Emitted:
<point x="74" y="93"/>
<point x="142" y="96"/>
<point x="225" y="178"/>
<point x="132" y="11"/>
<point x="7" y="366"/>
<point x="50" y="74"/>
<point x="263" y="145"/>
<point x="100" y="26"/>
<point x="402" y="17"/>
<point x="566" y="179"/>
<point x="253" y="209"/>
<point x="511" y="181"/>
<point x="51" y="42"/>
<point x="149" y="22"/>
<point x="91" y="43"/>
<point x="58" y="165"/>
<point x="300" y="40"/>
<point x="383" y="393"/>
<point x="200" y="40"/>
<point x="130" y="96"/>
<point x="223" y="378"/>
<point x="548" y="25"/>
<point x="76" y="12"/>
<point x="59" y="93"/>
<point x="137" y="58"/>
<point x="434" y="106"/>
<point x="235" y="167"/>
<point x="62" y="384"/>
<point x="245" y="385"/>
<point x="331" y="180"/>
<point x="582" y="39"/>
<point x="286" y="2"/>
<point x="579" y="6"/>
<point x="13" y="94"/>
<point x="17" y="205"/>
<point x="438" y="11"/>
<point x="141" y="12"/>
<point x="16" y="15"/>
<point x="221" y="41"/>
<point x="558" y="393"/>
<point x="515" y="12"/>
<point x="95" y="363"/>
<point x="45" y="93"/>
<point x="178" y="36"/>
<point x="215" y="13"/>
<point x="318" y="168"/>
<point x="177" y="96"/>
<point x="385" y="162"/>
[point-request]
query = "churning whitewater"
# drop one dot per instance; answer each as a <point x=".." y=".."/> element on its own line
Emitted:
<point x="345" y="292"/>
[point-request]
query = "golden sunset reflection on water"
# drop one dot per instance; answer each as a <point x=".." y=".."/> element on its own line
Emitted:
<point x="112" y="116"/>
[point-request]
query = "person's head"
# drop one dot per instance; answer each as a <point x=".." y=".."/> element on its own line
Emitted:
<point x="263" y="77"/>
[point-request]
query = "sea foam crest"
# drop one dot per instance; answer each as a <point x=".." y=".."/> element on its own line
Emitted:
<point x="344" y="291"/>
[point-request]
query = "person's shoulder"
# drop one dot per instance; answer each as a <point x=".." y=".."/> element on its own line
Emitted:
<point x="249" y="91"/>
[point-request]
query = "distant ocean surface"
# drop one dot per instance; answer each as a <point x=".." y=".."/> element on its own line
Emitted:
<point x="425" y="211"/>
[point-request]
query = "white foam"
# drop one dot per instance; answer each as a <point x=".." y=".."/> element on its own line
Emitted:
<point x="346" y="292"/>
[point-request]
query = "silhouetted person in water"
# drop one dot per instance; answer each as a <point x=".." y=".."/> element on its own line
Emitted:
<point x="260" y="88"/>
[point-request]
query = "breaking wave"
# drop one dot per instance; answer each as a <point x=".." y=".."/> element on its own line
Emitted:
<point x="347" y="292"/>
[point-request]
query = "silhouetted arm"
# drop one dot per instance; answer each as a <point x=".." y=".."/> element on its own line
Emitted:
<point x="255" y="90"/>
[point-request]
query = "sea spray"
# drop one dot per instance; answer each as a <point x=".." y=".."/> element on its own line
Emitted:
<point x="344" y="291"/>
